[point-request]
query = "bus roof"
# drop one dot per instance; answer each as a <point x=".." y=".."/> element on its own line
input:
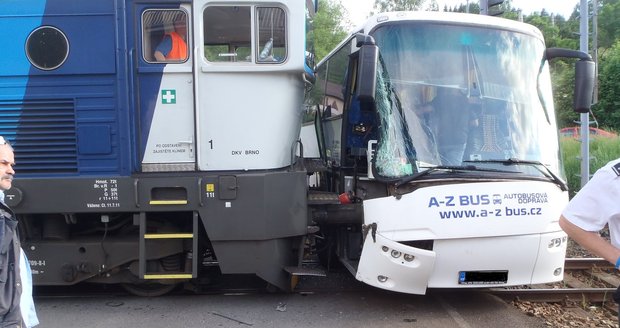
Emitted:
<point x="448" y="18"/>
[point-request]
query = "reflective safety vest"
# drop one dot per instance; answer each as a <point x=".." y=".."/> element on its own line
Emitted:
<point x="179" y="47"/>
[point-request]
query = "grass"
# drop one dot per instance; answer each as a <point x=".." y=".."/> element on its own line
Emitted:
<point x="602" y="150"/>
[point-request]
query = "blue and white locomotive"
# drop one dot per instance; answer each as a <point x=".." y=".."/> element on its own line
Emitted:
<point x="136" y="170"/>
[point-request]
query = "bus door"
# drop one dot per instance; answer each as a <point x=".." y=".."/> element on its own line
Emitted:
<point x="165" y="88"/>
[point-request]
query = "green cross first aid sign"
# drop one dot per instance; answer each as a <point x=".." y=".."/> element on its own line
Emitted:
<point x="168" y="97"/>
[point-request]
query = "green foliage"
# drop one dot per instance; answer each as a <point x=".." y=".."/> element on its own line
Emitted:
<point x="609" y="24"/>
<point x="327" y="28"/>
<point x="602" y="150"/>
<point x="563" y="82"/>
<point x="571" y="150"/>
<point x="397" y="5"/>
<point x="474" y="8"/>
<point x="607" y="111"/>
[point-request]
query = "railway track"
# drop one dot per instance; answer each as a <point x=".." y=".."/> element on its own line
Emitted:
<point x="583" y="299"/>
<point x="586" y="280"/>
<point x="580" y="274"/>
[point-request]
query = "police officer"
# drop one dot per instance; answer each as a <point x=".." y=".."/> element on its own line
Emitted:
<point x="597" y="204"/>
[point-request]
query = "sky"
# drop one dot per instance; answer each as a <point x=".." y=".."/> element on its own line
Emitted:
<point x="359" y="9"/>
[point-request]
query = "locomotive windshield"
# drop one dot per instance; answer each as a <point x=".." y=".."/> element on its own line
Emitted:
<point x="449" y="95"/>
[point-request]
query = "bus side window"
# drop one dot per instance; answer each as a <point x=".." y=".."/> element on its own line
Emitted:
<point x="361" y="128"/>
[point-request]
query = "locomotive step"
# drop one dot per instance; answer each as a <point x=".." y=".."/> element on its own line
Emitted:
<point x="168" y="236"/>
<point x="157" y="276"/>
<point x="301" y="271"/>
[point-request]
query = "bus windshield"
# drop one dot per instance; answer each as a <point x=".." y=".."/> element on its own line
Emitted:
<point x="448" y="95"/>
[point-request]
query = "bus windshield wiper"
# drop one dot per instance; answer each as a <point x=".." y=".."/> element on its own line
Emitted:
<point x="536" y="164"/>
<point x="453" y="168"/>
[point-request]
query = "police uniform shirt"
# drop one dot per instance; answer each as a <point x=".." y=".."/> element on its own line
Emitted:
<point x="598" y="203"/>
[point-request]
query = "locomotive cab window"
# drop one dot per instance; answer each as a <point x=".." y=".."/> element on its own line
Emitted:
<point x="47" y="48"/>
<point x="165" y="36"/>
<point x="228" y="34"/>
<point x="271" y="43"/>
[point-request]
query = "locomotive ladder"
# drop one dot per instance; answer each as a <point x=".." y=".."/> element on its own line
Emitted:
<point x="167" y="236"/>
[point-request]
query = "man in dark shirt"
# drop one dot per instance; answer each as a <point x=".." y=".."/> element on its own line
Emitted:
<point x="10" y="281"/>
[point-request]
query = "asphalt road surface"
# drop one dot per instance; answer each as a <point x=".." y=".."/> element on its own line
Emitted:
<point x="366" y="307"/>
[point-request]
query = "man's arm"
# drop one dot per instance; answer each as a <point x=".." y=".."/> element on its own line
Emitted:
<point x="159" y="56"/>
<point x="163" y="48"/>
<point x="591" y="241"/>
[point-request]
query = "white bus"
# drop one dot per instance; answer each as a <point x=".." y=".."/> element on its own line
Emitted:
<point x="436" y="153"/>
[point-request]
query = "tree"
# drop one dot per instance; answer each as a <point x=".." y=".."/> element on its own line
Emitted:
<point x="608" y="23"/>
<point x="563" y="81"/>
<point x="432" y="6"/>
<point x="606" y="111"/>
<point x="327" y="29"/>
<point x="398" y="5"/>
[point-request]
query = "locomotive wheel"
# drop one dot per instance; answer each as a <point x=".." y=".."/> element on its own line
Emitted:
<point x="149" y="289"/>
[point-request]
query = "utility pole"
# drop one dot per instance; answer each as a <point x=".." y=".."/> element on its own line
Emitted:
<point x="484" y="7"/>
<point x="584" y="117"/>
<point x="595" y="48"/>
<point x="487" y="5"/>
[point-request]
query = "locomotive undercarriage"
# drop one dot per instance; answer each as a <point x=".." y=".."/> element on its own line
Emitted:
<point x="67" y="249"/>
<point x="170" y="231"/>
<point x="81" y="248"/>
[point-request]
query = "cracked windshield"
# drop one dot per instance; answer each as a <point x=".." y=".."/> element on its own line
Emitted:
<point x="449" y="94"/>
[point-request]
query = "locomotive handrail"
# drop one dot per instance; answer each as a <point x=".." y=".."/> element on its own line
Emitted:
<point x="135" y="192"/>
<point x="199" y="191"/>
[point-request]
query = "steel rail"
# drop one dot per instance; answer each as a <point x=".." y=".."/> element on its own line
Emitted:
<point x="556" y="295"/>
<point x="586" y="263"/>
<point x="533" y="294"/>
